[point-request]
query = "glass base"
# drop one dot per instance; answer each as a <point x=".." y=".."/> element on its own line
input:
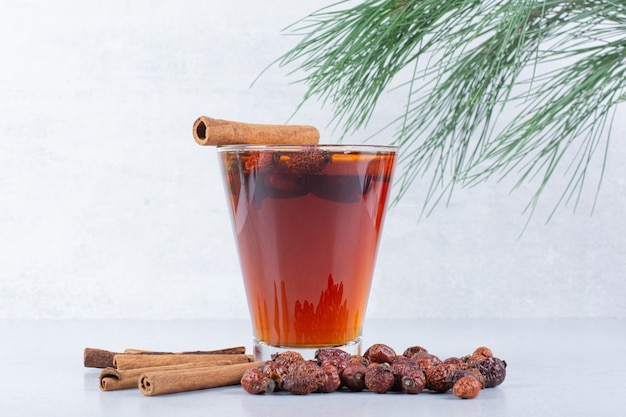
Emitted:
<point x="264" y="352"/>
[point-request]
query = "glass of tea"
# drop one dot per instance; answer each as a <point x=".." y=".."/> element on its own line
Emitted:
<point x="307" y="221"/>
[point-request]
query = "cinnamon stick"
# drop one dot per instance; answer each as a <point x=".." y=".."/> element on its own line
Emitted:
<point x="225" y="351"/>
<point x="101" y="358"/>
<point x="125" y="361"/>
<point x="112" y="379"/>
<point x="208" y="131"/>
<point x="168" y="382"/>
<point x="98" y="358"/>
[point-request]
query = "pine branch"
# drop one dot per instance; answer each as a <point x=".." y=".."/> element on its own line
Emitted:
<point x="473" y="60"/>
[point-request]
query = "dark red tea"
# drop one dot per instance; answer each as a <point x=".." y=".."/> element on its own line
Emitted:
<point x="307" y="222"/>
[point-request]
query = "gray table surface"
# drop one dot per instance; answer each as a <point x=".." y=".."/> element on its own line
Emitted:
<point x="557" y="367"/>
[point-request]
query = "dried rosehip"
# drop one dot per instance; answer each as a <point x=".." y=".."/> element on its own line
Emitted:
<point x="254" y="381"/>
<point x="287" y="184"/>
<point x="275" y="371"/>
<point x="426" y="360"/>
<point x="308" y="162"/>
<point x="480" y="377"/>
<point x="404" y="359"/>
<point x="439" y="378"/>
<point x="414" y="350"/>
<point x="379" y="377"/>
<point x="288" y="359"/>
<point x="474" y="358"/>
<point x="359" y="359"/>
<point x="329" y="379"/>
<point x="380" y="353"/>
<point x="353" y="376"/>
<point x="412" y="383"/>
<point x="456" y="361"/>
<point x="332" y="356"/>
<point x="302" y="378"/>
<point x="494" y="370"/>
<point x="324" y="353"/>
<point x="466" y="387"/>
<point x="483" y="351"/>
<point x="408" y="377"/>
<point x="338" y="188"/>
<point x="463" y="372"/>
<point x="260" y="162"/>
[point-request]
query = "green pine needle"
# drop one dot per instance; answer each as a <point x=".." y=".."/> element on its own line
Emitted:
<point x="469" y="61"/>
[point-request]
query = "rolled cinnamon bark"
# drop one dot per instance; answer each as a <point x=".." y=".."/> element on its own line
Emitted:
<point x="112" y="379"/>
<point x="98" y="358"/>
<point x="133" y="361"/>
<point x="101" y="358"/>
<point x="168" y="382"/>
<point x="230" y="351"/>
<point x="208" y="131"/>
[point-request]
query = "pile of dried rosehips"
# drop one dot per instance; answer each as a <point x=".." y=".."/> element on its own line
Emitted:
<point x="378" y="370"/>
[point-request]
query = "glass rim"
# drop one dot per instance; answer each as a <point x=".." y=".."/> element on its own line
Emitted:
<point x="346" y="148"/>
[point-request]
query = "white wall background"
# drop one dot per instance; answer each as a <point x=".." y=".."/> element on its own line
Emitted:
<point x="108" y="209"/>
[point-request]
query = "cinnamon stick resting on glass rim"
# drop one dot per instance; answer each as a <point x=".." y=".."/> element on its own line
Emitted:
<point x="212" y="132"/>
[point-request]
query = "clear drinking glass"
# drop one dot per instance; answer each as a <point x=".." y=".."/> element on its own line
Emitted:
<point x="307" y="221"/>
